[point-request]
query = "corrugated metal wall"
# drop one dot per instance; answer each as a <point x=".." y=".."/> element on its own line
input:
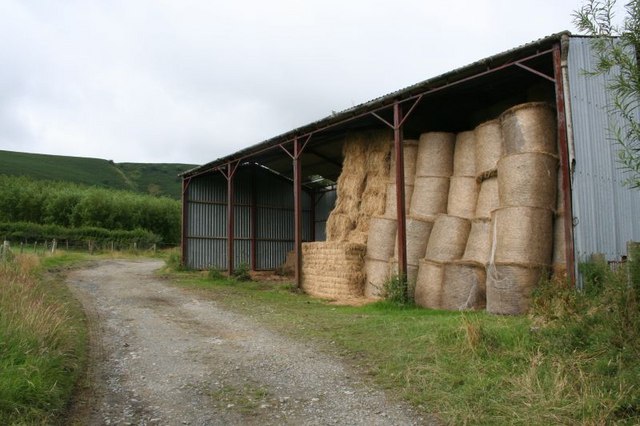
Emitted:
<point x="271" y="226"/>
<point x="325" y="202"/>
<point x="606" y="214"/>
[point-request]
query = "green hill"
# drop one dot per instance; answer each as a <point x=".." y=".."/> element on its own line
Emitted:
<point x="147" y="178"/>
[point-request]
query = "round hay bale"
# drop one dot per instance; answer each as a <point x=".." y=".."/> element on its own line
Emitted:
<point x="418" y="230"/>
<point x="463" y="195"/>
<point x="464" y="156"/>
<point x="429" y="197"/>
<point x="463" y="286"/>
<point x="488" y="148"/>
<point x="410" y="150"/>
<point x="377" y="273"/>
<point x="448" y="238"/>
<point x="435" y="154"/>
<point x="559" y="242"/>
<point x="478" y="248"/>
<point x="528" y="179"/>
<point x="529" y="127"/>
<point x="428" y="291"/>
<point x="391" y="201"/>
<point x="382" y="238"/>
<point x="488" y="198"/>
<point x="522" y="235"/>
<point x="509" y="287"/>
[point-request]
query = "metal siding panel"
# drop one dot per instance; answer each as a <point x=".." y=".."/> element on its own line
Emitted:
<point x="324" y="205"/>
<point x="273" y="254"/>
<point x="605" y="211"/>
<point x="274" y="220"/>
<point x="203" y="254"/>
<point x="242" y="223"/>
<point x="241" y="252"/>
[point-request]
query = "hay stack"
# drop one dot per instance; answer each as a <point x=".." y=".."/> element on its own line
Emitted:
<point x="488" y="148"/>
<point x="448" y="238"/>
<point x="351" y="183"/>
<point x="509" y="287"/>
<point x="463" y="195"/>
<point x="429" y="197"/>
<point x="463" y="286"/>
<point x="488" y="198"/>
<point x="428" y="291"/>
<point x="382" y="238"/>
<point x="528" y="179"/>
<point x="478" y="248"/>
<point x="333" y="270"/>
<point x="464" y="156"/>
<point x="523" y="235"/>
<point x="410" y="150"/>
<point x="373" y="198"/>
<point x="435" y="154"/>
<point x="529" y="127"/>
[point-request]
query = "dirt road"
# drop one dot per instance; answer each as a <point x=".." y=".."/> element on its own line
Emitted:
<point x="162" y="355"/>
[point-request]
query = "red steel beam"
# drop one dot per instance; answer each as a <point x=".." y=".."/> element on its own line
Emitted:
<point x="564" y="163"/>
<point x="230" y="219"/>
<point x="297" y="207"/>
<point x="184" y="214"/>
<point x="400" y="194"/>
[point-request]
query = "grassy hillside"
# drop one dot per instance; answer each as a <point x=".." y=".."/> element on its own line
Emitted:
<point x="155" y="179"/>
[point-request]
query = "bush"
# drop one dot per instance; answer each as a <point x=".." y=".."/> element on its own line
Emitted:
<point x="174" y="261"/>
<point x="395" y="290"/>
<point x="215" y="274"/>
<point x="241" y="273"/>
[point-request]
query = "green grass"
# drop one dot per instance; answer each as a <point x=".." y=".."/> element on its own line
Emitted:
<point x="468" y="368"/>
<point x="147" y="178"/>
<point x="43" y="343"/>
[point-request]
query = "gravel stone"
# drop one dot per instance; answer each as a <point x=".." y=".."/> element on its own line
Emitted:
<point x="162" y="355"/>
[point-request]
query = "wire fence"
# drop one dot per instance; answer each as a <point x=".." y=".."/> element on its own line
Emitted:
<point x="44" y="247"/>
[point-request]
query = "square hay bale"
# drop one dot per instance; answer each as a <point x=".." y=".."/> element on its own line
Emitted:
<point x="333" y="270"/>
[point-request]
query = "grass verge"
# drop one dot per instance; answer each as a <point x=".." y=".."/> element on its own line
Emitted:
<point x="42" y="342"/>
<point x="468" y="368"/>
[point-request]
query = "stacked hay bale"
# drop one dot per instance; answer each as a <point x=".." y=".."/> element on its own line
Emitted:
<point x="434" y="167"/>
<point x="335" y="268"/>
<point x="463" y="280"/>
<point x="382" y="232"/>
<point x="522" y="236"/>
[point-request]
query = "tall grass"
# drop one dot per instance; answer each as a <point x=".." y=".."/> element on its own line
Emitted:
<point x="42" y="344"/>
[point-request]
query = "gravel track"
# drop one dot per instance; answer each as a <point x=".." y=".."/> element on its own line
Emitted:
<point x="163" y="355"/>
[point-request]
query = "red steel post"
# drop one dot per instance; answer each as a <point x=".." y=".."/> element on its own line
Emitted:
<point x="230" y="219"/>
<point x="297" y="207"/>
<point x="564" y="163"/>
<point x="400" y="195"/>
<point x="184" y="214"/>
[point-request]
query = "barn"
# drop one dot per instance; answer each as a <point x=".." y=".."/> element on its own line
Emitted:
<point x="256" y="205"/>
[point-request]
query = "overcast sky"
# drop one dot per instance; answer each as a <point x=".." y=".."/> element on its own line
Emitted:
<point x="189" y="81"/>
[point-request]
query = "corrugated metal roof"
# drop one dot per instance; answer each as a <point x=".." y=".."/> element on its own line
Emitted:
<point x="376" y="104"/>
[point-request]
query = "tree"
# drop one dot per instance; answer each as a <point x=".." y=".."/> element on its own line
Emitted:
<point x="617" y="50"/>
